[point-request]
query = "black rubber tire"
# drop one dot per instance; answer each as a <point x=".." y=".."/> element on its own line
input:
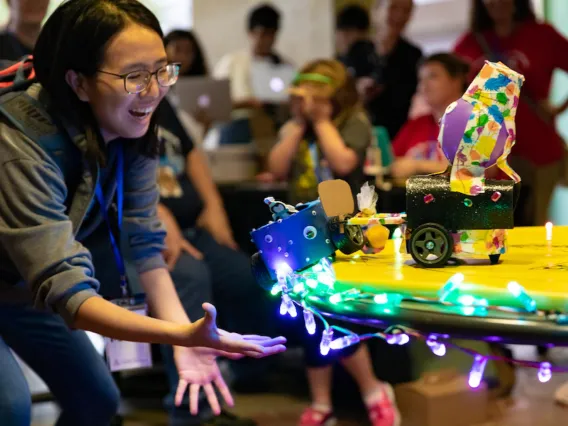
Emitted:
<point x="494" y="258"/>
<point x="352" y="240"/>
<point x="435" y="234"/>
<point x="260" y="272"/>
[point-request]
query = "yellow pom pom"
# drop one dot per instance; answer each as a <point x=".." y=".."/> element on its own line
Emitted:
<point x="377" y="235"/>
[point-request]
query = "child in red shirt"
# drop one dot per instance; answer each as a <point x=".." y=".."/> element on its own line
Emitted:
<point x="442" y="80"/>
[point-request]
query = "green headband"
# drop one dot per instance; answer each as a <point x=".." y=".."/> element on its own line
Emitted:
<point x="318" y="78"/>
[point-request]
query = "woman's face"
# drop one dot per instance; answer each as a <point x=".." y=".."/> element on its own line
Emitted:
<point x="437" y="86"/>
<point x="118" y="113"/>
<point x="500" y="10"/>
<point x="181" y="50"/>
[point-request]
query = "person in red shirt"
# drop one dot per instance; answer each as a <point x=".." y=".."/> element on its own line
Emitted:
<point x="507" y="31"/>
<point x="442" y="80"/>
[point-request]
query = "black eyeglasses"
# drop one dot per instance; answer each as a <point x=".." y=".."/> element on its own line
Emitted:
<point x="137" y="81"/>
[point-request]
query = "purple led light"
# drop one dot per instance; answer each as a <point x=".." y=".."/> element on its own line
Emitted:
<point x="544" y="372"/>
<point x="476" y="372"/>
<point x="437" y="348"/>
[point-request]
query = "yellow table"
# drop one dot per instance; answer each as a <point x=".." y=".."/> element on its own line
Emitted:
<point x="540" y="266"/>
<point x="363" y="283"/>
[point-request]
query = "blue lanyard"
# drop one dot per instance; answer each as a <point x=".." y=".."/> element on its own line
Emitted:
<point x="120" y="202"/>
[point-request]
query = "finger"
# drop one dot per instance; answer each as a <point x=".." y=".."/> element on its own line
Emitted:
<point x="231" y="355"/>
<point x="272" y="350"/>
<point x="191" y="250"/>
<point x="194" y="398"/>
<point x="210" y="313"/>
<point x="265" y="340"/>
<point x="219" y="353"/>
<point x="180" y="391"/>
<point x="172" y="259"/>
<point x="212" y="399"/>
<point x="239" y="346"/>
<point x="224" y="391"/>
<point x="232" y="244"/>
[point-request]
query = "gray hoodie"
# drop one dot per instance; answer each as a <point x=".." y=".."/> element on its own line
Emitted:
<point x="41" y="255"/>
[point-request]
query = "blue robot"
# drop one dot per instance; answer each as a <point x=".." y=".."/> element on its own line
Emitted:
<point x="298" y="238"/>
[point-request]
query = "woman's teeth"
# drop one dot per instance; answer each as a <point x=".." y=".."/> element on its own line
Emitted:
<point x="141" y="112"/>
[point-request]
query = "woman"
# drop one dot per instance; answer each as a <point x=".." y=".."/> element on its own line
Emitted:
<point x="507" y="31"/>
<point x="102" y="70"/>
<point x="327" y="138"/>
<point x="183" y="47"/>
<point x="442" y="80"/>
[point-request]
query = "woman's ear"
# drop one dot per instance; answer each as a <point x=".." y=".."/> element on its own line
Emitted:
<point x="77" y="82"/>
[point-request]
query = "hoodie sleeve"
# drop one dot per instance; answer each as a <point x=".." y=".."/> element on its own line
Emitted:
<point x="142" y="227"/>
<point x="38" y="237"/>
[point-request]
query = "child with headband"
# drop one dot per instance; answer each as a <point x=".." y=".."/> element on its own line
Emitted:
<point x="327" y="138"/>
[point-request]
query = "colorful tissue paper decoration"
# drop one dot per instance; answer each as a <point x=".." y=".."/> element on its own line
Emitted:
<point x="478" y="130"/>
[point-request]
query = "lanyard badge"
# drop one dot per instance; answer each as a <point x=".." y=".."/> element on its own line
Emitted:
<point x="123" y="355"/>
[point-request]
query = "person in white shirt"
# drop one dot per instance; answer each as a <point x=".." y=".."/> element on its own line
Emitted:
<point x="263" y="24"/>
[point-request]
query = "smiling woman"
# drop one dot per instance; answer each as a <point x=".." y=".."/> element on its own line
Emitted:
<point x="101" y="72"/>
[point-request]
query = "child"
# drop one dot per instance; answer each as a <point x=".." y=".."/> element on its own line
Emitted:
<point x="442" y="80"/>
<point x="327" y="138"/>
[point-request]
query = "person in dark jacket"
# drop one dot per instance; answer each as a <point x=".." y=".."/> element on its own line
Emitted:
<point x="386" y="64"/>
<point x="22" y="30"/>
<point x="102" y="71"/>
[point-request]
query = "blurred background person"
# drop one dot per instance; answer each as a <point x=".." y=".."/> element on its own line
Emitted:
<point x="507" y="31"/>
<point x="22" y="31"/>
<point x="388" y="102"/>
<point x="442" y="80"/>
<point x="184" y="47"/>
<point x="263" y="24"/>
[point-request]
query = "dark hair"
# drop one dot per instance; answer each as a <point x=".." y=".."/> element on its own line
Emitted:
<point x="453" y="64"/>
<point x="481" y="21"/>
<point x="264" y="16"/>
<point x="75" y="38"/>
<point x="199" y="65"/>
<point x="353" y="17"/>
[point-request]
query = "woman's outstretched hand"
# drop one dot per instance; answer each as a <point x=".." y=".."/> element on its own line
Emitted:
<point x="204" y="333"/>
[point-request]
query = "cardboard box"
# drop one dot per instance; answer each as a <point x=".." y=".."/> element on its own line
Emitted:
<point x="442" y="398"/>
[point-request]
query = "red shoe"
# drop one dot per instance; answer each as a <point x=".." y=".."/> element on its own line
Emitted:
<point x="313" y="417"/>
<point x="384" y="412"/>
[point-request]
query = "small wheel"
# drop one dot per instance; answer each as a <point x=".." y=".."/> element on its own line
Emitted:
<point x="431" y="245"/>
<point x="260" y="272"/>
<point x="494" y="258"/>
<point x="348" y="242"/>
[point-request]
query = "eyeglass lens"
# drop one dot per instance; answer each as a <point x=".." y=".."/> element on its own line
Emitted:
<point x="138" y="81"/>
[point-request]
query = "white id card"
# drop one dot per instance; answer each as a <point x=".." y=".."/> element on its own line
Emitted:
<point x="124" y="355"/>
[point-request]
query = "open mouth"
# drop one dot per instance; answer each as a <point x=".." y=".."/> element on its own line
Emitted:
<point x="141" y="113"/>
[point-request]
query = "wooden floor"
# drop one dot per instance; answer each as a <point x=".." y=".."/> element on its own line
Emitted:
<point x="532" y="404"/>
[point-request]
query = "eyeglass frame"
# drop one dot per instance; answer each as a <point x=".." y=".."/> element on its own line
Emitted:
<point x="124" y="76"/>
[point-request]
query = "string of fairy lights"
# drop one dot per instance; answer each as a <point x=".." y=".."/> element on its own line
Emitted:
<point x="297" y="289"/>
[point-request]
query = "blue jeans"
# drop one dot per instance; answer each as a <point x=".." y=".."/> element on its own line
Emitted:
<point x="224" y="278"/>
<point x="66" y="361"/>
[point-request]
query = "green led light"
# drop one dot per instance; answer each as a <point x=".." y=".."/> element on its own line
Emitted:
<point x="335" y="298"/>
<point x="310" y="282"/>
